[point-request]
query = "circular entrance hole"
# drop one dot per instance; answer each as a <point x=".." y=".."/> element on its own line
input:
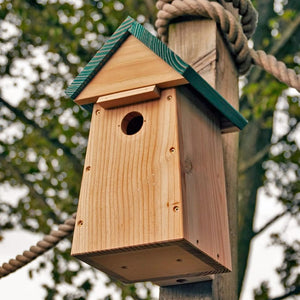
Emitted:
<point x="132" y="123"/>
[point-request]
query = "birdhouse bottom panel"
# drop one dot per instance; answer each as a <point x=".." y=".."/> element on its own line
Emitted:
<point x="152" y="204"/>
<point x="168" y="263"/>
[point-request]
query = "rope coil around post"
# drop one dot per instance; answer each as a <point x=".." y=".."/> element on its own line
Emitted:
<point x="236" y="33"/>
<point x="48" y="242"/>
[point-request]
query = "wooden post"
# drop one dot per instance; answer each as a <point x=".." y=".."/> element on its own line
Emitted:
<point x="199" y="43"/>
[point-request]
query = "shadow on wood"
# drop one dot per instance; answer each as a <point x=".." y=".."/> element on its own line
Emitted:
<point x="194" y="291"/>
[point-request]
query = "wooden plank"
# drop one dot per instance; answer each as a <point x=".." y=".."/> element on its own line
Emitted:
<point x="131" y="183"/>
<point x="99" y="60"/>
<point x="225" y="286"/>
<point x="133" y="66"/>
<point x="195" y="291"/>
<point x="182" y="65"/>
<point x="165" y="263"/>
<point x="134" y="58"/>
<point x="129" y="97"/>
<point x="203" y="179"/>
<point x="221" y="75"/>
<point x="150" y="196"/>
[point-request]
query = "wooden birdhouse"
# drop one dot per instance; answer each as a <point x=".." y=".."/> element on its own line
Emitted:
<point x="152" y="204"/>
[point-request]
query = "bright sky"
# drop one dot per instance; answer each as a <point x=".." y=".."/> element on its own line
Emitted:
<point x="264" y="258"/>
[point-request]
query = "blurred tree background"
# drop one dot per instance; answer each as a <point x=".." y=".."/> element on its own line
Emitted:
<point x="43" y="134"/>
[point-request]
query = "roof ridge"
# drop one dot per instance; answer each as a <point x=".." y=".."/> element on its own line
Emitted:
<point x="100" y="58"/>
<point x="130" y="26"/>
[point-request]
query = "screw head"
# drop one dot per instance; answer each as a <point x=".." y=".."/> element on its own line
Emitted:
<point x="176" y="208"/>
<point x="172" y="150"/>
<point x="169" y="97"/>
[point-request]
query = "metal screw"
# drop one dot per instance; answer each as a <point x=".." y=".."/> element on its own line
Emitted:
<point x="98" y="111"/>
<point x="172" y="150"/>
<point x="176" y="208"/>
<point x="169" y="97"/>
<point x="80" y="223"/>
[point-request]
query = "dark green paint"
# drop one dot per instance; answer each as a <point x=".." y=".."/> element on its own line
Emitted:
<point x="129" y="26"/>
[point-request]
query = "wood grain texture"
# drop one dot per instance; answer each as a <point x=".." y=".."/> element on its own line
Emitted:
<point x="133" y="66"/>
<point x="162" y="263"/>
<point x="203" y="180"/>
<point x="99" y="60"/>
<point x="130" y="183"/>
<point x="134" y="58"/>
<point x="225" y="286"/>
<point x="129" y="97"/>
<point x="221" y="75"/>
<point x="152" y="204"/>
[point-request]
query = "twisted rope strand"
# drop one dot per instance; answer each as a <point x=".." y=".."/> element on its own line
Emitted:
<point x="277" y="68"/>
<point x="235" y="33"/>
<point x="48" y="242"/>
<point x="230" y="27"/>
<point x="248" y="15"/>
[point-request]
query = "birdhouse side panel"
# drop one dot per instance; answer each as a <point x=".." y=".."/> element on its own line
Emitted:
<point x="131" y="191"/>
<point x="203" y="179"/>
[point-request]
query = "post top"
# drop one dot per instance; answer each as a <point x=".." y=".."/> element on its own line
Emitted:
<point x="175" y="71"/>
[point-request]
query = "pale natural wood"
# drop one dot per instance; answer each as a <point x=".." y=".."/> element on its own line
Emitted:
<point x="133" y="66"/>
<point x="204" y="195"/>
<point x="164" y="264"/>
<point x="129" y="97"/>
<point x="197" y="46"/>
<point x="152" y="204"/>
<point x="130" y="183"/>
<point x="194" y="40"/>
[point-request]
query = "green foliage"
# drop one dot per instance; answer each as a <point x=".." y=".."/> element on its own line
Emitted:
<point x="43" y="135"/>
<point x="271" y="141"/>
<point x="262" y="293"/>
<point x="43" y="45"/>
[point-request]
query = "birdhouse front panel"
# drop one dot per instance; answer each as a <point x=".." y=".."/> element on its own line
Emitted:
<point x="153" y="191"/>
<point x="152" y="204"/>
<point x="131" y="191"/>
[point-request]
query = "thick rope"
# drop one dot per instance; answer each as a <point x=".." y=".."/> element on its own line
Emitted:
<point x="236" y="33"/>
<point x="246" y="10"/>
<point x="48" y="242"/>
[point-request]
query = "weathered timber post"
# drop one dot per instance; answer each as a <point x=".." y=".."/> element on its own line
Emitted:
<point x="200" y="44"/>
<point x="157" y="211"/>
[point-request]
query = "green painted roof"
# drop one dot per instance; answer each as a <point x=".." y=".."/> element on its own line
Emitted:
<point x="131" y="27"/>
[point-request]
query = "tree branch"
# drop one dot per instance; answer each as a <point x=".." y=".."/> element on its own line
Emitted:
<point x="244" y="166"/>
<point x="21" y="178"/>
<point x="285" y="36"/>
<point x="296" y="291"/>
<point x="44" y="133"/>
<point x="269" y="223"/>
